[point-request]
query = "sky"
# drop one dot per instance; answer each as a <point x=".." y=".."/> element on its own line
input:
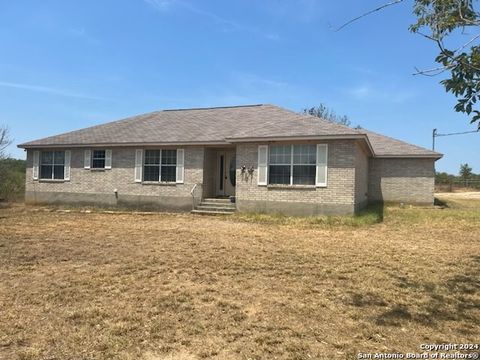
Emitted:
<point x="66" y="65"/>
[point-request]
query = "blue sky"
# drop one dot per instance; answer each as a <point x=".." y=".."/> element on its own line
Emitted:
<point x="66" y="65"/>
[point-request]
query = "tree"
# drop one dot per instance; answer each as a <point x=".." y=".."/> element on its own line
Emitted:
<point x="465" y="171"/>
<point x="5" y="140"/>
<point x="443" y="21"/>
<point x="324" y="112"/>
<point x="449" y="20"/>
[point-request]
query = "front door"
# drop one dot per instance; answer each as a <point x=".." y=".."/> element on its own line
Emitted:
<point x="226" y="173"/>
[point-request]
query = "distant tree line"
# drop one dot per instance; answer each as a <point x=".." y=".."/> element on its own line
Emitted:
<point x="12" y="171"/>
<point x="465" y="177"/>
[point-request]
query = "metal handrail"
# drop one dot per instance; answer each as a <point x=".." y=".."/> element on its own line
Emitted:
<point x="192" y="192"/>
<point x="193" y="189"/>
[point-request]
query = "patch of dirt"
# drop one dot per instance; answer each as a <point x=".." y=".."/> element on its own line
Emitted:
<point x="471" y="195"/>
<point x="89" y="285"/>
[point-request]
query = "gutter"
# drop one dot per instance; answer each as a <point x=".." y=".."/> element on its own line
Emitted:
<point x="231" y="141"/>
<point x="414" y="156"/>
<point x="143" y="144"/>
<point x="305" y="138"/>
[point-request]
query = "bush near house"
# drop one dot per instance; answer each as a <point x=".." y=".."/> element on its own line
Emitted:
<point x="12" y="179"/>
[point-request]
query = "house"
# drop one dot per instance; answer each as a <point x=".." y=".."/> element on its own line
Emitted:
<point x="263" y="157"/>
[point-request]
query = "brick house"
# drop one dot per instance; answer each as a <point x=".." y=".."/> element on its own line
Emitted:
<point x="258" y="158"/>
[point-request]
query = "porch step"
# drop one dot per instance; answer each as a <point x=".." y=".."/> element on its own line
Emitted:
<point x="217" y="200"/>
<point x="215" y="206"/>
<point x="208" y="212"/>
<point x="211" y="203"/>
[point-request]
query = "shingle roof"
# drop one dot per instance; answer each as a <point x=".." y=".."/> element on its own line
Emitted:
<point x="389" y="147"/>
<point x="220" y="125"/>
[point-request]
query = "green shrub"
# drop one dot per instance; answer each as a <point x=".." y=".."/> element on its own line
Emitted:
<point x="12" y="179"/>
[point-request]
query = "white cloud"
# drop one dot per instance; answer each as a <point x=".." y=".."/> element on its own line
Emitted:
<point x="361" y="92"/>
<point x="391" y="93"/>
<point x="48" y="90"/>
<point x="304" y="11"/>
<point x="81" y="33"/>
<point x="227" y="24"/>
<point x="161" y="5"/>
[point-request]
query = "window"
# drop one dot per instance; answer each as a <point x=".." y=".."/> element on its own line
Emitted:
<point x="160" y="165"/>
<point x="292" y="164"/>
<point x="98" y="159"/>
<point x="52" y="165"/>
<point x="169" y="165"/>
<point x="304" y="164"/>
<point x="280" y="164"/>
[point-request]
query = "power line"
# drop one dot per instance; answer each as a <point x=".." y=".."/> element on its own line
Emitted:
<point x="458" y="133"/>
<point x="435" y="134"/>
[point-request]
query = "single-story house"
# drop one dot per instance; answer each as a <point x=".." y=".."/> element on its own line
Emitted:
<point x="258" y="158"/>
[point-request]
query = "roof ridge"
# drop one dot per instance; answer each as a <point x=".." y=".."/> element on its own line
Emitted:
<point x="334" y="123"/>
<point x="215" y="107"/>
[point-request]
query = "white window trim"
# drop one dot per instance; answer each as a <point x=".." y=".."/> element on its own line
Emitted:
<point x="323" y="164"/>
<point x="53" y="164"/>
<point x="138" y="169"/>
<point x="264" y="165"/>
<point x="88" y="159"/>
<point x="160" y="167"/>
<point x="292" y="164"/>
<point x="104" y="159"/>
<point x="36" y="165"/>
<point x="180" y="167"/>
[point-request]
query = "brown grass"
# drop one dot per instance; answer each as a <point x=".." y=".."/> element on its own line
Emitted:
<point x="179" y="287"/>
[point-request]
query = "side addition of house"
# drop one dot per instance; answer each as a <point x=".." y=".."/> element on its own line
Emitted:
<point x="257" y="158"/>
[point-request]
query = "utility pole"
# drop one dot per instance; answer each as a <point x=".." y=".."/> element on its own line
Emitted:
<point x="434" y="134"/>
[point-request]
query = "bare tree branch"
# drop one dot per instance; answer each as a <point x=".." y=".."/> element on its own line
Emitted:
<point x="5" y="140"/>
<point x="369" y="13"/>
<point x="431" y="72"/>
<point x="443" y="51"/>
<point x="468" y="43"/>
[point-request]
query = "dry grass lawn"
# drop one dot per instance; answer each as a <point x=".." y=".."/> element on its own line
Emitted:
<point x="96" y="285"/>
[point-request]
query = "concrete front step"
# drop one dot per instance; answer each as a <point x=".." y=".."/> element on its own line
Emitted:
<point x="208" y="203"/>
<point x="217" y="200"/>
<point x="209" y="212"/>
<point x="215" y="208"/>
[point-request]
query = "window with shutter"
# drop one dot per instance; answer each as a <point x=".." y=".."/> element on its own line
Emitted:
<point x="98" y="159"/>
<point x="52" y="165"/>
<point x="162" y="165"/>
<point x="292" y="164"/>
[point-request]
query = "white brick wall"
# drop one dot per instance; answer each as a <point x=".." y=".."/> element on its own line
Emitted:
<point x="350" y="174"/>
<point x="361" y="176"/>
<point x="120" y="177"/>
<point x="402" y="180"/>
<point x="340" y="183"/>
